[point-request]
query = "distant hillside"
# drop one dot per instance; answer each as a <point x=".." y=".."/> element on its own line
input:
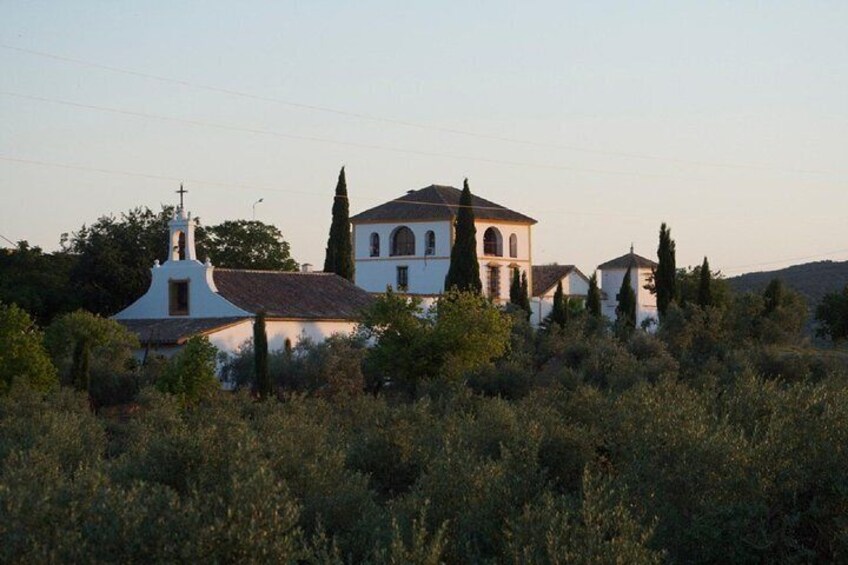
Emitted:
<point x="812" y="280"/>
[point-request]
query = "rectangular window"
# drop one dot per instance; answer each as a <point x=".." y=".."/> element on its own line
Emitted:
<point x="494" y="282"/>
<point x="178" y="298"/>
<point x="402" y="278"/>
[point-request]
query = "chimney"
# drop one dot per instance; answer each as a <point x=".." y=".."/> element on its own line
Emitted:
<point x="306" y="268"/>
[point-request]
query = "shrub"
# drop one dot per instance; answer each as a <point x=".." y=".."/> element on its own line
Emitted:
<point x="190" y="374"/>
<point x="22" y="354"/>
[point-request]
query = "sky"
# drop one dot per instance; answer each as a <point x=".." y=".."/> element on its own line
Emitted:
<point x="727" y="120"/>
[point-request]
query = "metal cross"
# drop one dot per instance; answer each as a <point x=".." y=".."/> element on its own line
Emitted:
<point x="181" y="192"/>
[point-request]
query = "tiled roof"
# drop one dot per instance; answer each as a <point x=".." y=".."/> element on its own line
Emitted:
<point x="546" y="276"/>
<point x="627" y="261"/>
<point x="437" y="202"/>
<point x="175" y="331"/>
<point x="304" y="296"/>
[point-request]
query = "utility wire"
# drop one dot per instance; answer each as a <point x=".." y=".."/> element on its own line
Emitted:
<point x="273" y="133"/>
<point x="405" y="123"/>
<point x="766" y="263"/>
<point x="7" y="239"/>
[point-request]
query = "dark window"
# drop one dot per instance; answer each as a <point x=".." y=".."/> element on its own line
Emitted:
<point x="492" y="244"/>
<point x="403" y="241"/>
<point x="178" y="298"/>
<point x="513" y="245"/>
<point x="402" y="278"/>
<point x="494" y="282"/>
<point x="181" y="246"/>
<point x="430" y="243"/>
<point x="375" y="245"/>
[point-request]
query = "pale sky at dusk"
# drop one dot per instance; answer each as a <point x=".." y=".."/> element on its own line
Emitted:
<point x="728" y="120"/>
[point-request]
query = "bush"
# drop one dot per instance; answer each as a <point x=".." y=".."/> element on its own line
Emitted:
<point x="190" y="374"/>
<point x="22" y="354"/>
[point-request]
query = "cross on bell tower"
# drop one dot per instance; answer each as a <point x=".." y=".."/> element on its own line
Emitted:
<point x="182" y="192"/>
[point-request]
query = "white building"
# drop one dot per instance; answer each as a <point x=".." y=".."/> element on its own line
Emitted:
<point x="188" y="298"/>
<point x="545" y="281"/>
<point x="406" y="243"/>
<point x="612" y="275"/>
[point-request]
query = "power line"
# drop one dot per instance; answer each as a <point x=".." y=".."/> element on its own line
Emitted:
<point x="404" y="123"/>
<point x="7" y="239"/>
<point x="778" y="261"/>
<point x="273" y="133"/>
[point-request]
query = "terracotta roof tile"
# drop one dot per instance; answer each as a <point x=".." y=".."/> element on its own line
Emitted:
<point x="628" y="260"/>
<point x="436" y="202"/>
<point x="174" y="331"/>
<point x="308" y="296"/>
<point x="546" y="277"/>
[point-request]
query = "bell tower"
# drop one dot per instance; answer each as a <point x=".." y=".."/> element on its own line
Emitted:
<point x="181" y="240"/>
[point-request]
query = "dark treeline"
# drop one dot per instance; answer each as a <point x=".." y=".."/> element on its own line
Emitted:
<point x="459" y="437"/>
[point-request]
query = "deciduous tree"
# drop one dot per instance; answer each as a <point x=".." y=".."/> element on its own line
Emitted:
<point x="832" y="315"/>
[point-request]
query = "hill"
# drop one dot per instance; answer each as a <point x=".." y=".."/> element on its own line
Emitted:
<point x="812" y="280"/>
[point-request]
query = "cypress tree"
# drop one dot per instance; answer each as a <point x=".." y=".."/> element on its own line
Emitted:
<point x="339" y="258"/>
<point x="705" y="295"/>
<point x="593" y="299"/>
<point x="772" y="296"/>
<point x="626" y="310"/>
<point x="464" y="271"/>
<point x="525" y="293"/>
<point x="260" y="357"/>
<point x="665" y="275"/>
<point x="559" y="311"/>
<point x="80" y="365"/>
<point x="515" y="289"/>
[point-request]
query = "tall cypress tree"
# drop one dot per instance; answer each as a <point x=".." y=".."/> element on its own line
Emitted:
<point x="705" y="295"/>
<point x="515" y="288"/>
<point x="559" y="311"/>
<point x="593" y="299"/>
<point x="525" y="293"/>
<point x="625" y="312"/>
<point x="464" y="271"/>
<point x="260" y="357"/>
<point x="80" y="365"/>
<point x="665" y="275"/>
<point x="339" y="258"/>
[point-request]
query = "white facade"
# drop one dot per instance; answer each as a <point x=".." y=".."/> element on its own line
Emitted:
<point x="427" y="266"/>
<point x="574" y="285"/>
<point x="646" y="303"/>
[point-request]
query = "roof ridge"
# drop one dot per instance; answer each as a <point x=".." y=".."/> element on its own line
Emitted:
<point x="270" y="272"/>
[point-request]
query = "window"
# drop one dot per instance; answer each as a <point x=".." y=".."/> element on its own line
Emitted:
<point x="402" y="278"/>
<point x="492" y="243"/>
<point x="178" y="298"/>
<point x="375" y="244"/>
<point x="403" y="241"/>
<point x="430" y="243"/>
<point x="179" y="247"/>
<point x="494" y="282"/>
<point x="513" y="245"/>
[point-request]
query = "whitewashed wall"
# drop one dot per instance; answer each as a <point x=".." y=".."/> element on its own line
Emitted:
<point x="646" y="303"/>
<point x="573" y="285"/>
<point x="231" y="338"/>
<point x="203" y="300"/>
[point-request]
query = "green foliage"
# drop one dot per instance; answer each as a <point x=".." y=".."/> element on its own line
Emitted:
<point x="110" y="345"/>
<point x="832" y="315"/>
<point x="190" y="374"/>
<point x="463" y="332"/>
<point x="665" y="275"/>
<point x="559" y="310"/>
<point x="36" y="281"/>
<point x="593" y="299"/>
<point x="518" y="291"/>
<point x="690" y="281"/>
<point x="246" y="244"/>
<point x="705" y="293"/>
<point x="464" y="271"/>
<point x="23" y="357"/>
<point x="260" y="358"/>
<point x="339" y="257"/>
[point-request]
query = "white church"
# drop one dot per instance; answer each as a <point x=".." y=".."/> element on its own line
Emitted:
<point x="404" y="244"/>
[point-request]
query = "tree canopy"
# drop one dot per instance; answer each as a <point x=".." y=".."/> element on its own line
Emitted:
<point x="246" y="244"/>
<point x="22" y="353"/>
<point x="665" y="274"/>
<point x="832" y="315"/>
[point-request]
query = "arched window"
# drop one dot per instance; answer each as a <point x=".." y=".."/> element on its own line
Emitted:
<point x="513" y="245"/>
<point x="430" y="243"/>
<point x="492" y="242"/>
<point x="403" y="241"/>
<point x="375" y="244"/>
<point x="178" y="253"/>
